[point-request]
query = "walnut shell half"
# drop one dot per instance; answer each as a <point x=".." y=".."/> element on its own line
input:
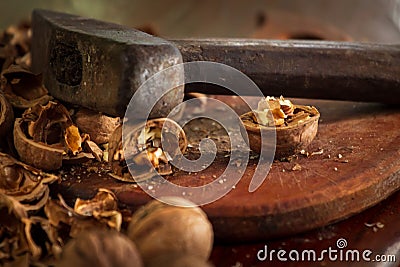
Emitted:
<point x="46" y="136"/>
<point x="22" y="88"/>
<point x="34" y="153"/>
<point x="144" y="150"/>
<point x="6" y="116"/>
<point x="291" y="138"/>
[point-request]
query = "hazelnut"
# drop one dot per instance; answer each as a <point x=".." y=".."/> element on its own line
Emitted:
<point x="159" y="228"/>
<point x="100" y="249"/>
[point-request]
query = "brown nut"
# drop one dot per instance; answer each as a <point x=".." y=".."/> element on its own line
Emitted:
<point x="294" y="135"/>
<point x="97" y="125"/>
<point x="100" y="249"/>
<point x="36" y="154"/>
<point x="149" y="135"/>
<point x="146" y="151"/>
<point x="45" y="137"/>
<point x="6" y="117"/>
<point x="22" y="88"/>
<point x="23" y="191"/>
<point x="178" y="260"/>
<point x="159" y="228"/>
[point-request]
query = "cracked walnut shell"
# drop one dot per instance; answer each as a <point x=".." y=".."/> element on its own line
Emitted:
<point x="146" y="149"/>
<point x="6" y="116"/>
<point x="295" y="128"/>
<point x="45" y="136"/>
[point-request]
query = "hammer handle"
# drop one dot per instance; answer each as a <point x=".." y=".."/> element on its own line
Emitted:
<point x="307" y="69"/>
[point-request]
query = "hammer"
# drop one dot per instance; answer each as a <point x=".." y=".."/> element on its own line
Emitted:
<point x="100" y="65"/>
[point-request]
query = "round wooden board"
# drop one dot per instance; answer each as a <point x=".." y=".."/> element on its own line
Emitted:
<point x="328" y="188"/>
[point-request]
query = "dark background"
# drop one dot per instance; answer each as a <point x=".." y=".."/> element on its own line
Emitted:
<point x="362" y="20"/>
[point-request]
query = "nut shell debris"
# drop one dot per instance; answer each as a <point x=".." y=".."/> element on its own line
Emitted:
<point x="99" y="126"/>
<point x="6" y="117"/>
<point x="147" y="145"/>
<point x="22" y="88"/>
<point x="45" y="137"/>
<point x="23" y="193"/>
<point x="100" y="212"/>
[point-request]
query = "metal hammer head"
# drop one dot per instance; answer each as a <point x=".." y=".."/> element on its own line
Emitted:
<point x="100" y="65"/>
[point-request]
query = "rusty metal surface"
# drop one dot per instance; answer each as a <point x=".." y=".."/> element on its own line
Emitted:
<point x="101" y="65"/>
<point x="308" y="69"/>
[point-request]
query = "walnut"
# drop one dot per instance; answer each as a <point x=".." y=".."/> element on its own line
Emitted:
<point x="295" y="125"/>
<point x="45" y="137"/>
<point x="100" y="212"/>
<point x="146" y="151"/>
<point x="100" y="249"/>
<point x="22" y="88"/>
<point x="23" y="191"/>
<point x="24" y="183"/>
<point x="286" y="106"/>
<point x="6" y="117"/>
<point x="160" y="229"/>
<point x="178" y="260"/>
<point x="279" y="110"/>
<point x="97" y="125"/>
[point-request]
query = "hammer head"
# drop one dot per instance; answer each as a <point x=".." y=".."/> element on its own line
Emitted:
<point x="100" y="65"/>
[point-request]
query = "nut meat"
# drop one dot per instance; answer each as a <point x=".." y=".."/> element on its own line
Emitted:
<point x="146" y="151"/>
<point x="295" y="125"/>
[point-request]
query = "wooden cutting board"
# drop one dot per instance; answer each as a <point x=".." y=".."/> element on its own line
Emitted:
<point x="357" y="166"/>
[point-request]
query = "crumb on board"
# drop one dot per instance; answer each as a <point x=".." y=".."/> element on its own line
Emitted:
<point x="296" y="167"/>
<point x="375" y="226"/>
<point x="319" y="152"/>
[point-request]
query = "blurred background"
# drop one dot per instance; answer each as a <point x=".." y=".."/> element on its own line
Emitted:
<point x="356" y="20"/>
